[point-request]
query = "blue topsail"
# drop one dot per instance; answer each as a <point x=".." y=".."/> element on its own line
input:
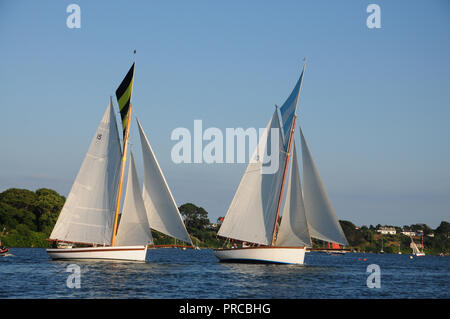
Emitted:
<point x="288" y="109"/>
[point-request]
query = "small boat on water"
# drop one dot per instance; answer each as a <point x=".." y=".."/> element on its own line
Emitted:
<point x="3" y="251"/>
<point x="381" y="251"/>
<point x="416" y="250"/>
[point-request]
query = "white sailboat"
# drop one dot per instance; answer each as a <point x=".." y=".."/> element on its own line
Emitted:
<point x="415" y="249"/>
<point x="253" y="216"/>
<point x="89" y="217"/>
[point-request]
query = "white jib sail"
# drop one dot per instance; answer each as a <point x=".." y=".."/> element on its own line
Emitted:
<point x="294" y="228"/>
<point x="88" y="213"/>
<point x="251" y="215"/>
<point x="133" y="228"/>
<point x="322" y="220"/>
<point x="162" y="211"/>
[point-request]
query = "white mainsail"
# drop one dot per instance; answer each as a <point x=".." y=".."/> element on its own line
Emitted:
<point x="88" y="213"/>
<point x="294" y="228"/>
<point x="251" y="215"/>
<point x="162" y="211"/>
<point x="133" y="228"/>
<point x="323" y="223"/>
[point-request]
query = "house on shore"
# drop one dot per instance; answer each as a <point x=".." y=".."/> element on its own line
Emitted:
<point x="387" y="230"/>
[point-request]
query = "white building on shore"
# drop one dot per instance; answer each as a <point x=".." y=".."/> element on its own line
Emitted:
<point x="387" y="230"/>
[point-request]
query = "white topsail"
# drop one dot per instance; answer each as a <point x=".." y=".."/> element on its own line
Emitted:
<point x="88" y="213"/>
<point x="133" y="228"/>
<point x="293" y="228"/>
<point x="323" y="223"/>
<point x="162" y="211"/>
<point x="251" y="215"/>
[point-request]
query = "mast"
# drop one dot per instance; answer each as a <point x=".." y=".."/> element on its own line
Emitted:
<point x="286" y="164"/>
<point x="122" y="171"/>
<point x="291" y="136"/>
<point x="422" y="242"/>
<point x="293" y="228"/>
<point x="125" y="148"/>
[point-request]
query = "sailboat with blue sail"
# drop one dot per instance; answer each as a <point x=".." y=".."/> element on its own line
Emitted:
<point x="254" y="214"/>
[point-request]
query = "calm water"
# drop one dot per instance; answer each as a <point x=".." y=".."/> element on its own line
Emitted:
<point x="173" y="273"/>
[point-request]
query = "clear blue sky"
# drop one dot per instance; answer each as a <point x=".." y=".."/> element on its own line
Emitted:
<point x="375" y="103"/>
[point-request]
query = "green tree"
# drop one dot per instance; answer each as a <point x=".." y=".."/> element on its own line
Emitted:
<point x="10" y="216"/>
<point x="443" y="229"/>
<point x="354" y="236"/>
<point x="47" y="207"/>
<point x="197" y="224"/>
<point x="27" y="218"/>
<point x="23" y="202"/>
<point x="194" y="217"/>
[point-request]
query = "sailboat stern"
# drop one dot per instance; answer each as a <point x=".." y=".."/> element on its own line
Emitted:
<point x="124" y="253"/>
<point x="267" y="254"/>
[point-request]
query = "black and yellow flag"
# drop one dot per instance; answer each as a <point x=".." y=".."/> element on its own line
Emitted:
<point x="123" y="94"/>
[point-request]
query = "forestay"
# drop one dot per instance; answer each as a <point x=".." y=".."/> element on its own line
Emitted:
<point x="88" y="213"/>
<point x="251" y="215"/>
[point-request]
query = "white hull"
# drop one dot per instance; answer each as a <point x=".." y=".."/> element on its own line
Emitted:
<point x="279" y="255"/>
<point x="130" y="253"/>
<point x="420" y="254"/>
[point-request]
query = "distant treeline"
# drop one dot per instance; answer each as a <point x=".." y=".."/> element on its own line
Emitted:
<point x="368" y="239"/>
<point x="27" y="219"/>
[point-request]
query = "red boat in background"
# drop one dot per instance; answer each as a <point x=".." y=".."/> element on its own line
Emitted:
<point x="3" y="251"/>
